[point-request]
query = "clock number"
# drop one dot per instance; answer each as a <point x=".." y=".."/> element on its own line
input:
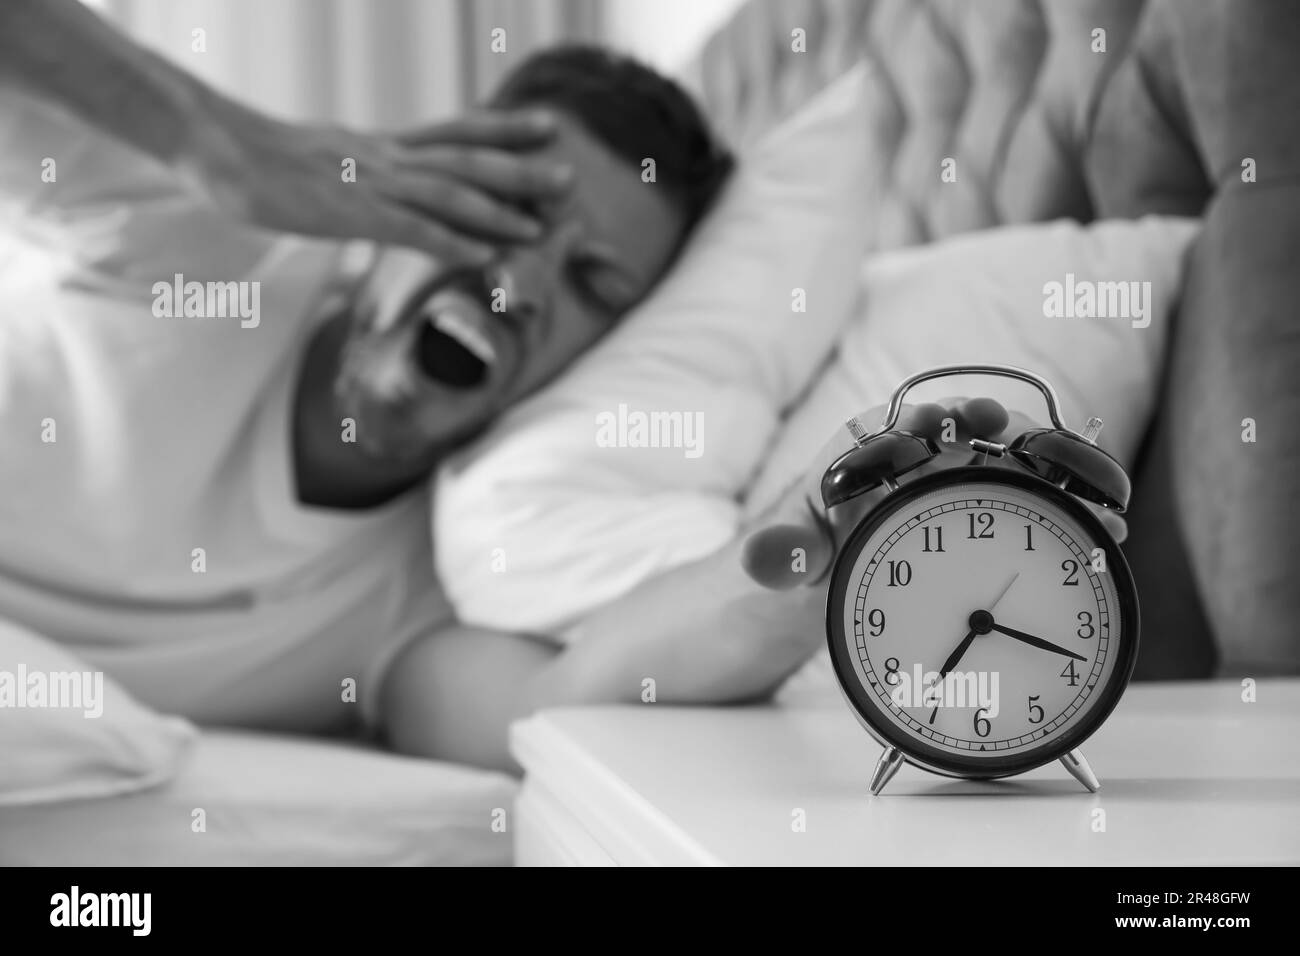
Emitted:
<point x="988" y="727"/>
<point x="985" y="520"/>
<point x="1070" y="675"/>
<point x="900" y="574"/>
<point x="1085" y="625"/>
<point x="938" y="538"/>
<point x="891" y="670"/>
<point x="877" y="620"/>
<point x="1034" y="707"/>
<point x="1071" y="569"/>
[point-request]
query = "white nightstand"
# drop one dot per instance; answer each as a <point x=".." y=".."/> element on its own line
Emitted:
<point x="1190" y="775"/>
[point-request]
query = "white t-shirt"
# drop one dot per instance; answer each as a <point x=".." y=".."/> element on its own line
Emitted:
<point x="172" y="435"/>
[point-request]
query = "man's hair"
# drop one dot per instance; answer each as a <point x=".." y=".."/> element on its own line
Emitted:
<point x="631" y="109"/>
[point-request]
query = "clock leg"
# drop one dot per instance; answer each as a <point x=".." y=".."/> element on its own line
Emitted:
<point x="886" y="767"/>
<point x="1075" y="762"/>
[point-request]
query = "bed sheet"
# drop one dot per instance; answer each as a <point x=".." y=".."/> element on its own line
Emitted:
<point x="278" y="801"/>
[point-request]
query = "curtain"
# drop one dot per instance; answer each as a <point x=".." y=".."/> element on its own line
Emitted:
<point x="371" y="64"/>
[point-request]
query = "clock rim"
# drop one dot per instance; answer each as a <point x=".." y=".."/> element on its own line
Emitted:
<point x="944" y="762"/>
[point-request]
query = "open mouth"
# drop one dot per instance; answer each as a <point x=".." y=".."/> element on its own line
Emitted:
<point x="452" y="352"/>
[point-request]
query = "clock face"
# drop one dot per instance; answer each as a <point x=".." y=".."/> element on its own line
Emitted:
<point x="982" y="621"/>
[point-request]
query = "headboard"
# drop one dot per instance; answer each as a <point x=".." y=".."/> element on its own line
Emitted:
<point x="1042" y="123"/>
<point x="1006" y="88"/>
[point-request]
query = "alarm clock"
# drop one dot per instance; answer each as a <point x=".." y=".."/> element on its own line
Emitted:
<point x="981" y="619"/>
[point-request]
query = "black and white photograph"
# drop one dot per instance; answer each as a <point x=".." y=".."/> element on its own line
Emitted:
<point x="668" y="433"/>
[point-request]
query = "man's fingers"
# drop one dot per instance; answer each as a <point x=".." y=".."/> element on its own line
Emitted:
<point x="964" y="419"/>
<point x="925" y="419"/>
<point x="423" y="234"/>
<point x="784" y="556"/>
<point x="982" y="417"/>
<point x="466" y="208"/>
<point x="493" y="170"/>
<point x="799" y="543"/>
<point x="516" y="129"/>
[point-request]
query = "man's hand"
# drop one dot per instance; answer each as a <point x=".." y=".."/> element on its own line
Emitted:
<point x="450" y="190"/>
<point x="798" y="519"/>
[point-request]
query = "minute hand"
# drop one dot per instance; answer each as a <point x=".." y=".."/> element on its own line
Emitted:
<point x="1037" y="642"/>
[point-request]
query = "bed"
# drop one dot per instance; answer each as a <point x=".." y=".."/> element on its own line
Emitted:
<point x="308" y="802"/>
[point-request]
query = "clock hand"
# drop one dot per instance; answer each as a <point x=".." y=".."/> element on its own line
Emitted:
<point x="952" y="662"/>
<point x="1037" y="642"/>
<point x="1004" y="592"/>
<point x="949" y="663"/>
<point x="956" y="655"/>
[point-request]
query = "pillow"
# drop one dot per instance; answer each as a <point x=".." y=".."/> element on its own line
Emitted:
<point x="598" y="524"/>
<point x="985" y="298"/>
<point x="568" y="494"/>
<point x="106" y="744"/>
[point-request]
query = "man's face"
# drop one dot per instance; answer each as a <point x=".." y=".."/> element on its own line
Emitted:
<point x="429" y="363"/>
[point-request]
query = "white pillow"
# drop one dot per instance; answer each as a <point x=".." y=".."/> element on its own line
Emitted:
<point x="982" y="298"/>
<point x="105" y="745"/>
<point x="598" y="523"/>
<point x="721" y="341"/>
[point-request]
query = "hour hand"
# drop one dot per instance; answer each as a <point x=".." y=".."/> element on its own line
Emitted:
<point x="955" y="657"/>
<point x="1037" y="642"/>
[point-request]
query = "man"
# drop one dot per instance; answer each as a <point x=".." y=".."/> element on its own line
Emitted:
<point x="226" y="513"/>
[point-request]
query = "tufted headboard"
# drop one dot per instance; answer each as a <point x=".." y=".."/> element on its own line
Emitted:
<point x="1043" y="123"/>
<point x="1006" y="88"/>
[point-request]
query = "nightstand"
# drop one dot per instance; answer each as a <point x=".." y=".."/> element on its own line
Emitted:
<point x="1190" y="775"/>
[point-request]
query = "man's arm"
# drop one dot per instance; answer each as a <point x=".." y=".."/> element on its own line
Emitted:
<point x="60" y="51"/>
<point x="705" y="633"/>
<point x="726" y="629"/>
<point x="451" y="190"/>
